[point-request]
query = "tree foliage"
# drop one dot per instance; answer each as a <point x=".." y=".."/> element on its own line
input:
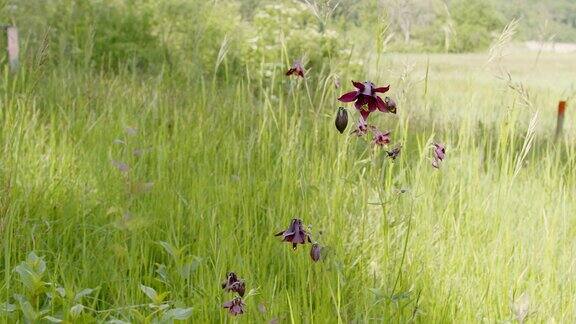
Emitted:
<point x="231" y="35"/>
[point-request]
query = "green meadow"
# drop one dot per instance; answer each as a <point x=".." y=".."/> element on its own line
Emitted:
<point x="127" y="197"/>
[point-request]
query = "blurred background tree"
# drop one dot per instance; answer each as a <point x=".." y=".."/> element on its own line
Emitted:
<point x="248" y="36"/>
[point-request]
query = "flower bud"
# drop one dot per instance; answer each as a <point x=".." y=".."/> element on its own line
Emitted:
<point x="315" y="252"/>
<point x="341" y="120"/>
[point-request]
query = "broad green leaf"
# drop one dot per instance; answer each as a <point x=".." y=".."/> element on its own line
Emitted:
<point x="162" y="271"/>
<point x="190" y="266"/>
<point x="170" y="249"/>
<point x="53" y="319"/>
<point x="161" y="297"/>
<point x="76" y="310"/>
<point x="117" y="321"/>
<point x="83" y="293"/>
<point x="29" y="313"/>
<point x="19" y="297"/>
<point x="400" y="296"/>
<point x="159" y="306"/>
<point x="178" y="314"/>
<point x="61" y="291"/>
<point x="378" y="292"/>
<point x="7" y="307"/>
<point x="29" y="277"/>
<point x="150" y="292"/>
<point x="36" y="263"/>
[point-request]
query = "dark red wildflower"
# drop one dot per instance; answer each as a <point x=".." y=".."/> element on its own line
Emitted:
<point x="233" y="283"/>
<point x="394" y="153"/>
<point x="341" y="120"/>
<point x="315" y="252"/>
<point x="365" y="98"/>
<point x="439" y="154"/>
<point x="235" y="306"/>
<point x="296" y="69"/>
<point x="361" y="127"/>
<point x="295" y="234"/>
<point x="381" y="138"/>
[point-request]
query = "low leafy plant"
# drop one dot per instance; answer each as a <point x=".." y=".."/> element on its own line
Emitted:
<point x="43" y="300"/>
<point x="161" y="309"/>
<point x="181" y="267"/>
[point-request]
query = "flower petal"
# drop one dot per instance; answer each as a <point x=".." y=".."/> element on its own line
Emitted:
<point x="298" y="238"/>
<point x="360" y="102"/>
<point x="349" y="96"/>
<point x="358" y="85"/>
<point x="372" y="103"/>
<point x="382" y="106"/>
<point x="382" y="89"/>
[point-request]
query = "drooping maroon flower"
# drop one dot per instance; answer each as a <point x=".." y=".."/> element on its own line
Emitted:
<point x="391" y="104"/>
<point x="341" y="120"/>
<point x="295" y="234"/>
<point x="395" y="152"/>
<point x="365" y="98"/>
<point x="315" y="252"/>
<point x="381" y="138"/>
<point x="235" y="306"/>
<point x="296" y="69"/>
<point x="361" y="127"/>
<point x="233" y="283"/>
<point x="439" y="154"/>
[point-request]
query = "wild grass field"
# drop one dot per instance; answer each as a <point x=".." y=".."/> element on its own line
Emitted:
<point x="127" y="195"/>
<point x="99" y="170"/>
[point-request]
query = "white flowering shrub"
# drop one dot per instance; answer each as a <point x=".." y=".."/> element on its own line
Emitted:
<point x="289" y="30"/>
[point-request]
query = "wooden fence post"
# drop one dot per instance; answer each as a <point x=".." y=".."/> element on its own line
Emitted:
<point x="13" y="48"/>
<point x="560" y="120"/>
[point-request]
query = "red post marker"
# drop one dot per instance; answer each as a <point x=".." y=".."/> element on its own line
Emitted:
<point x="560" y="120"/>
